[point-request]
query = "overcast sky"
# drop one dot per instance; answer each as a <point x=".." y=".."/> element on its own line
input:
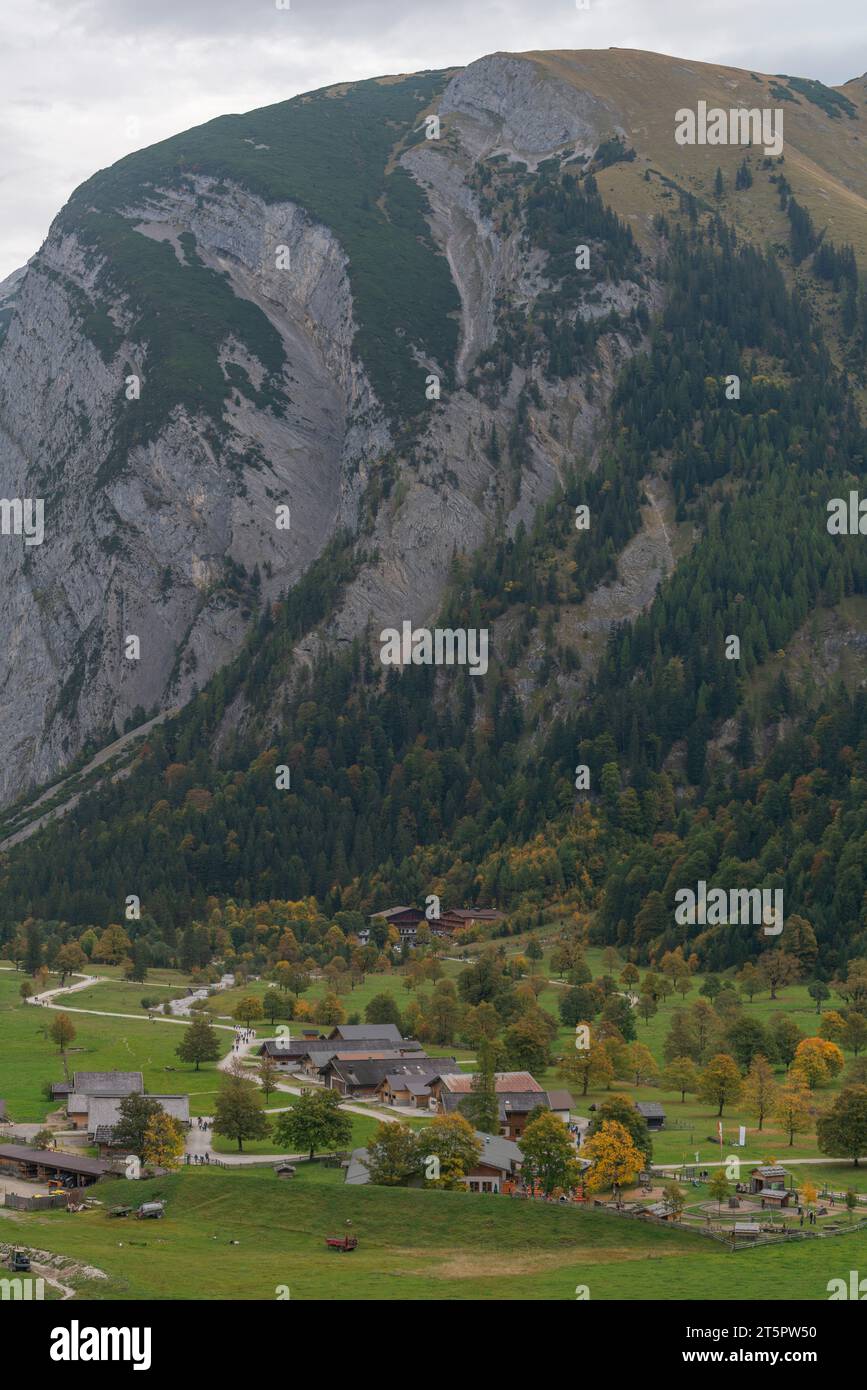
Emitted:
<point x="84" y="82"/>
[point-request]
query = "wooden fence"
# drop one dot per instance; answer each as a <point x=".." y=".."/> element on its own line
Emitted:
<point x="725" y="1236"/>
<point x="17" y="1201"/>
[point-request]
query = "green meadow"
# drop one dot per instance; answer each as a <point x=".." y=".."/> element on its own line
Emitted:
<point x="121" y="996"/>
<point x="28" y="1058"/>
<point x="411" y="1245"/>
<point x="354" y="1001"/>
<point x="363" y="1129"/>
<point x="691" y="1127"/>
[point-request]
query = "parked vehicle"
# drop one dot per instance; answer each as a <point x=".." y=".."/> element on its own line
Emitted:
<point x="151" y="1211"/>
<point x="19" y="1262"/>
<point x="341" y="1242"/>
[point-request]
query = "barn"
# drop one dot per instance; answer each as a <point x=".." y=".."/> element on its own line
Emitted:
<point x="40" y="1165"/>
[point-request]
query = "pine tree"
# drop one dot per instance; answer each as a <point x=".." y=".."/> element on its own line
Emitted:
<point x="481" y="1106"/>
<point x="199" y="1043"/>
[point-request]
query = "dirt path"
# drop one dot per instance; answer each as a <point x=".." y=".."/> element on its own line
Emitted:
<point x="42" y="1272"/>
<point x="46" y="1000"/>
<point x="199" y="1140"/>
<point x="84" y="982"/>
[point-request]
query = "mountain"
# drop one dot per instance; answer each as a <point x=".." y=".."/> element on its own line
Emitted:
<point x="257" y="314"/>
<point x="304" y="384"/>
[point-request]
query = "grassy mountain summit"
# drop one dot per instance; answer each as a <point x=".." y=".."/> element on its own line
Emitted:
<point x="824" y="133"/>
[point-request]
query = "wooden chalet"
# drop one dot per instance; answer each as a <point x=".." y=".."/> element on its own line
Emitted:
<point x="104" y="1116"/>
<point x="497" y="1169"/>
<point x="518" y="1095"/>
<point x="408" y="920"/>
<point x="409" y="1083"/>
<point x="354" y="1075"/>
<point x="87" y="1086"/>
<point x="498" y="1166"/>
<point x="770" y="1184"/>
<point x="310" y="1056"/>
<point x="652" y="1112"/>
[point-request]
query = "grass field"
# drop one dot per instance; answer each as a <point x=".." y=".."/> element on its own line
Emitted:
<point x="121" y="996"/>
<point x="691" y="1127"/>
<point x="28" y="1058"/>
<point x="355" y="1000"/>
<point x="412" y="1245"/>
<point x="363" y="1129"/>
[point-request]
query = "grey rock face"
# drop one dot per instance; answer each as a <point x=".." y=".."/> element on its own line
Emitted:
<point x="145" y="552"/>
<point x="513" y="105"/>
<point x="498" y="104"/>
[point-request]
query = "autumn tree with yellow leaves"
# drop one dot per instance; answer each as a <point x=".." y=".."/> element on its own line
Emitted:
<point x="163" y="1141"/>
<point x="613" y="1155"/>
<point x="816" y="1062"/>
<point x="792" y="1111"/>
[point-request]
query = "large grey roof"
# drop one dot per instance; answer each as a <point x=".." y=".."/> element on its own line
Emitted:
<point x="416" y="1077"/>
<point x="320" y="1054"/>
<point x="54" y="1158"/>
<point x="353" y="1031"/>
<point x="107" y="1083"/>
<point x="520" y="1102"/>
<point x="356" y="1171"/>
<point x="499" y="1152"/>
<point x="105" y="1110"/>
<point x="278" y="1047"/>
<point x="366" y="1071"/>
<point x="428" y="1067"/>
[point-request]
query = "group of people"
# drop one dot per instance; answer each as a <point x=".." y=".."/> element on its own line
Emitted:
<point x="242" y="1036"/>
<point x="197" y="1158"/>
<point x="203" y="1123"/>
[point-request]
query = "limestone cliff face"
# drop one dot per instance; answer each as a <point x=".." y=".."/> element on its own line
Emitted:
<point x="176" y="546"/>
<point x="145" y="553"/>
<point x="502" y="107"/>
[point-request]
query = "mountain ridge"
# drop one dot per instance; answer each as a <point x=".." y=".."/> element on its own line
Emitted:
<point x="156" y="535"/>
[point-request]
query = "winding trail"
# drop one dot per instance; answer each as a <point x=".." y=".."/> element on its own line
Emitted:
<point x="198" y="1140"/>
<point x="47" y="997"/>
<point x="42" y="1272"/>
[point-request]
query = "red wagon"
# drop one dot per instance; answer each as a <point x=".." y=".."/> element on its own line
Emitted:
<point x="341" y="1242"/>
